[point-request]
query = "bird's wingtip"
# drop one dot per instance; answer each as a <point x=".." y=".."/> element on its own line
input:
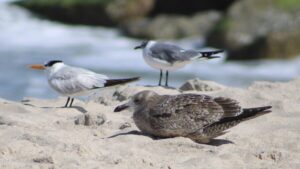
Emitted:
<point x="113" y="82"/>
<point x="136" y="78"/>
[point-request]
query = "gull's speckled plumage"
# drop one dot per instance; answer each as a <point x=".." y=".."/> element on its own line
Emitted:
<point x="199" y="117"/>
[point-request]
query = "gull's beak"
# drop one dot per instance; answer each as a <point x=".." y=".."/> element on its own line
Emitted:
<point x="121" y="107"/>
<point x="138" y="47"/>
<point x="37" y="67"/>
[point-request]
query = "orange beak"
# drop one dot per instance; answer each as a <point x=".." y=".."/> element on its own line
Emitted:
<point x="37" y="67"/>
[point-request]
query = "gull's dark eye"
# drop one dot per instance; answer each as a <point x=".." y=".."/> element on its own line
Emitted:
<point x="136" y="100"/>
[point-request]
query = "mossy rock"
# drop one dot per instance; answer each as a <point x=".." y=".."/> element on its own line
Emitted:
<point x="172" y="26"/>
<point x="258" y="29"/>
<point x="287" y="5"/>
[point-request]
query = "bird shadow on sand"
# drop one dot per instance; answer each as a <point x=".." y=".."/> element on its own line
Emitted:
<point x="78" y="108"/>
<point x="132" y="132"/>
<point x="213" y="142"/>
<point x="166" y="87"/>
<point x="81" y="109"/>
<point x="219" y="142"/>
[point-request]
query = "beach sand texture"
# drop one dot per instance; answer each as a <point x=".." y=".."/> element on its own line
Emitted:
<point x="37" y="133"/>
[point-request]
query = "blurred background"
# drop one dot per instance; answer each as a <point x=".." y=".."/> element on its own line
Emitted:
<point x="261" y="39"/>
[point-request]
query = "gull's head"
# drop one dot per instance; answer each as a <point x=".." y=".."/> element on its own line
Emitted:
<point x="142" y="45"/>
<point x="52" y="64"/>
<point x="139" y="100"/>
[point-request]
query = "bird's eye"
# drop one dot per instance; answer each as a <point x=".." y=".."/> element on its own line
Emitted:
<point x="136" y="100"/>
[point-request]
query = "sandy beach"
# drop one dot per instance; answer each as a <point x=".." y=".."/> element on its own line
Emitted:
<point x="38" y="133"/>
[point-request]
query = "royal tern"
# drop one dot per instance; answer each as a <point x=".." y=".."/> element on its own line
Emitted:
<point x="72" y="81"/>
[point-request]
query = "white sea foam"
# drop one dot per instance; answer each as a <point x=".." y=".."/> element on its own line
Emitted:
<point x="27" y="39"/>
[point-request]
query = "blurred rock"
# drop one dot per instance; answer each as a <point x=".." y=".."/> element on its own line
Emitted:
<point x="254" y="29"/>
<point x="113" y="96"/>
<point x="46" y="159"/>
<point x="5" y="121"/>
<point x="250" y="29"/>
<point x="126" y="10"/>
<point x="273" y="155"/>
<point x="110" y="96"/>
<point x="201" y="85"/>
<point x="90" y="120"/>
<point x="124" y="126"/>
<point x="90" y="12"/>
<point x="171" y="26"/>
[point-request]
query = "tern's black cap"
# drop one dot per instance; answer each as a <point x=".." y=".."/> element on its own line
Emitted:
<point x="52" y="62"/>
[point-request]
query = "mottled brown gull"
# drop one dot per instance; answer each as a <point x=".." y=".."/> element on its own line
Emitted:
<point x="198" y="117"/>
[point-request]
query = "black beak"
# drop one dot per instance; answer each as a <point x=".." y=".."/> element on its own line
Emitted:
<point x="212" y="57"/>
<point x="138" y="47"/>
<point x="121" y="107"/>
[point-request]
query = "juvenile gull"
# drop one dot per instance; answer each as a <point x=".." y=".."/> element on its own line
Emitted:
<point x="198" y="117"/>
<point x="73" y="81"/>
<point x="168" y="57"/>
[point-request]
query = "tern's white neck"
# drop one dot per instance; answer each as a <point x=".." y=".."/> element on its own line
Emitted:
<point x="54" y="68"/>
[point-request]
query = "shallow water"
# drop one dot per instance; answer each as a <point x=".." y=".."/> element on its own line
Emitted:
<point x="27" y="39"/>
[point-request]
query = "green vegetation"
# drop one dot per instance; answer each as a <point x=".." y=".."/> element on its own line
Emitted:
<point x="288" y="4"/>
<point x="222" y="25"/>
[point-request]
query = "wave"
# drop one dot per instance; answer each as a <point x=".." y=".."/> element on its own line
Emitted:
<point x="27" y="39"/>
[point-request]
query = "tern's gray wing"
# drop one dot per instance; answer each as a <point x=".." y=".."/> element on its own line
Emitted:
<point x="71" y="80"/>
<point x="172" y="53"/>
<point x="192" y="112"/>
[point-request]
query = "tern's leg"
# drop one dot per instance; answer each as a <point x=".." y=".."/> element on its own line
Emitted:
<point x="160" y="77"/>
<point x="71" y="102"/>
<point x="167" y="77"/>
<point x="66" y="105"/>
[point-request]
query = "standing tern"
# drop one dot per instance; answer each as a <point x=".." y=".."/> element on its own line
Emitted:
<point x="72" y="81"/>
<point x="168" y="57"/>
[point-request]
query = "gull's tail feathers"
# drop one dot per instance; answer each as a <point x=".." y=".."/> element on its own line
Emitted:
<point x="225" y="123"/>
